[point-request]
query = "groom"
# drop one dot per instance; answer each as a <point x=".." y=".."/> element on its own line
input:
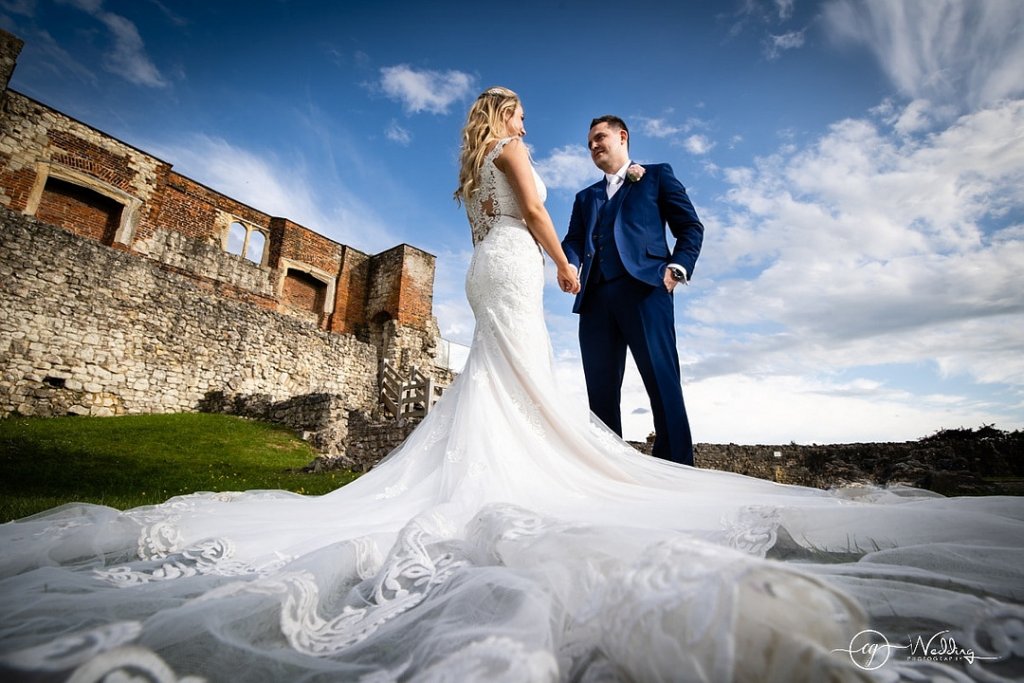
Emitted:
<point x="616" y="240"/>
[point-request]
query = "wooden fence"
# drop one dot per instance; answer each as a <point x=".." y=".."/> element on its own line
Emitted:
<point x="406" y="397"/>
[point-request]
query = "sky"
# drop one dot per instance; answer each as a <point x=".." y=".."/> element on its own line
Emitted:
<point x="858" y="166"/>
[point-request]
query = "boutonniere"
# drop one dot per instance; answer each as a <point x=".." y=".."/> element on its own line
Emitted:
<point x="635" y="172"/>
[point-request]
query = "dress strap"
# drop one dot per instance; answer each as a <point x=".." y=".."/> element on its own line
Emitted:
<point x="496" y="150"/>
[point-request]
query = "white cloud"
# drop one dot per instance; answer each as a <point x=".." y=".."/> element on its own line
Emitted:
<point x="871" y="247"/>
<point x="960" y="51"/>
<point x="698" y="144"/>
<point x="677" y="133"/>
<point x="128" y="58"/>
<point x="779" y="409"/>
<point x="431" y="91"/>
<point x="568" y="168"/>
<point x="759" y="12"/>
<point x="277" y="187"/>
<point x="172" y="16"/>
<point x="914" y="118"/>
<point x="776" y="44"/>
<point x="396" y="133"/>
<point x="660" y="128"/>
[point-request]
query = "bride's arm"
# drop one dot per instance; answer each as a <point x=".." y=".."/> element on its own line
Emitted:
<point x="514" y="162"/>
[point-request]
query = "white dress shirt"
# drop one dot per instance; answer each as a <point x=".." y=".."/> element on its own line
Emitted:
<point x="615" y="180"/>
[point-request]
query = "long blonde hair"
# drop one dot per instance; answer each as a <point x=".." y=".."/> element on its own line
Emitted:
<point x="485" y="123"/>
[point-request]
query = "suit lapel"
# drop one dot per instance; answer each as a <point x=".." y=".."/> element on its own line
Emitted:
<point x="597" y="198"/>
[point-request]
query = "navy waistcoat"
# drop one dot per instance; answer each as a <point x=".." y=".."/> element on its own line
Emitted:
<point x="606" y="253"/>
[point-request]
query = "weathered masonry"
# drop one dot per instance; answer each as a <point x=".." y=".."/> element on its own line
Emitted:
<point x="126" y="287"/>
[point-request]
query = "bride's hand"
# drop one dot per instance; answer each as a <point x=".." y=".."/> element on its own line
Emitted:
<point x="567" y="279"/>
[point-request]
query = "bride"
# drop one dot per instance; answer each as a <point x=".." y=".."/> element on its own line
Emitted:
<point x="512" y="538"/>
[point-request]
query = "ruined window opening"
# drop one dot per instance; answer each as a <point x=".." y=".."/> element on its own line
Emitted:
<point x="83" y="204"/>
<point x="80" y="209"/>
<point x="236" y="238"/>
<point x="304" y="292"/>
<point x="254" y="251"/>
<point x="246" y="241"/>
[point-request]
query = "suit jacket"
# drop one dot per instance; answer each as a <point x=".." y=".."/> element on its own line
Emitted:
<point x="656" y="200"/>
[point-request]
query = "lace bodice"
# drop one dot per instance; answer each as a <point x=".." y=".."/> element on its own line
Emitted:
<point x="494" y="199"/>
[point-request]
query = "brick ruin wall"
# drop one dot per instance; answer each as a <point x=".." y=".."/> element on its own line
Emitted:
<point x="68" y="174"/>
<point x="137" y="302"/>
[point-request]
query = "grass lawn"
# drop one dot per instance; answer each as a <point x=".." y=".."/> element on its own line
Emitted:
<point x="136" y="460"/>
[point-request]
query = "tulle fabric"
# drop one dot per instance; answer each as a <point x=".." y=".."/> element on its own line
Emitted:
<point x="512" y="538"/>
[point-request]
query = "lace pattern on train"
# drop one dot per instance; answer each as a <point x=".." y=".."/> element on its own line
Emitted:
<point x="680" y="580"/>
<point x="163" y="557"/>
<point x="417" y="565"/>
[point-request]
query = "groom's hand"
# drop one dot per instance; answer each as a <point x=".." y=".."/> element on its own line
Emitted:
<point x="670" y="282"/>
<point x="673" y="275"/>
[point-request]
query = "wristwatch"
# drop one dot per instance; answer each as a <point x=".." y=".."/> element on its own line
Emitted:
<point x="678" y="274"/>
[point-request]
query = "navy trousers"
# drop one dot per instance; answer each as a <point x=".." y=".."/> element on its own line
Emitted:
<point x="625" y="313"/>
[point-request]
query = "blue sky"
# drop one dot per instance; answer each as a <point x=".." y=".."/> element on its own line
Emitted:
<point x="859" y="167"/>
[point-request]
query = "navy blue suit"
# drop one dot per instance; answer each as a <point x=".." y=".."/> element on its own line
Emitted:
<point x="619" y="246"/>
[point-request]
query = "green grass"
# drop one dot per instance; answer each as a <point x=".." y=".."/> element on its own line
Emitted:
<point x="136" y="460"/>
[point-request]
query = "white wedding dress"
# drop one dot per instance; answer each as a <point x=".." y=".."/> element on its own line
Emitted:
<point x="512" y="538"/>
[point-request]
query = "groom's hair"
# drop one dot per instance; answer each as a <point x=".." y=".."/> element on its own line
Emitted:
<point x="613" y="121"/>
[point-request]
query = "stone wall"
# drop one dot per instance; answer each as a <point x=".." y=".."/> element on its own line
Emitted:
<point x="950" y="462"/>
<point x="223" y="272"/>
<point x="371" y="436"/>
<point x="320" y="419"/>
<point x="86" y="329"/>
